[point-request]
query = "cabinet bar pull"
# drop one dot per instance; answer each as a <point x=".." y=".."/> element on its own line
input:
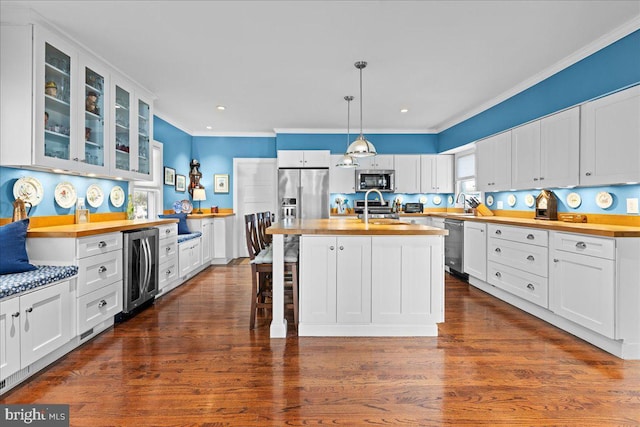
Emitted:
<point x="530" y="286"/>
<point x="581" y="245"/>
<point x="530" y="236"/>
<point x="498" y="250"/>
<point x="16" y="314"/>
<point x="535" y="179"/>
<point x="102" y="244"/>
<point x="102" y="303"/>
<point x="498" y="274"/>
<point x="29" y="310"/>
<point x="102" y="269"/>
<point x="531" y="258"/>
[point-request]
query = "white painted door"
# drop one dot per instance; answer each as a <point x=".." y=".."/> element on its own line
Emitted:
<point x="407" y="178"/>
<point x="525" y="155"/>
<point x="353" y="293"/>
<point x="318" y="267"/>
<point x="428" y="173"/>
<point x="560" y="149"/>
<point x="255" y="190"/>
<point x="10" y="328"/>
<point x="290" y="158"/>
<point x="444" y="173"/>
<point x="316" y="158"/>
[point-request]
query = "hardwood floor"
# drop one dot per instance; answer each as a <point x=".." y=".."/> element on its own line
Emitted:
<point x="190" y="360"/>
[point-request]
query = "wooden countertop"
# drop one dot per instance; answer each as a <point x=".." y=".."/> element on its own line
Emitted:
<point x="352" y="227"/>
<point x="209" y="215"/>
<point x="605" y="230"/>
<point x="93" y="228"/>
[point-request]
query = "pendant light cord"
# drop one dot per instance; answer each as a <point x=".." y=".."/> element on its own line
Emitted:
<point x="361" y="100"/>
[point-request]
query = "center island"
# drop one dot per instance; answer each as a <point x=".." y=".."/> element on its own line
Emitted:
<point x="384" y="278"/>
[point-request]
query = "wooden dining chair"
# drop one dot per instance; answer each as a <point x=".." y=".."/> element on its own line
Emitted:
<point x="261" y="261"/>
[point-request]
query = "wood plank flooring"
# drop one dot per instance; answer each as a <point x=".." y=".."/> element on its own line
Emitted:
<point x="190" y="360"/>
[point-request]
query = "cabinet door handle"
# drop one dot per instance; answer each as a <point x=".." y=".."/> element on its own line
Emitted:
<point x="535" y="179"/>
<point x="588" y="174"/>
<point x="167" y="231"/>
<point x="530" y="286"/>
<point x="341" y="248"/>
<point x="29" y="310"/>
<point x="556" y="260"/>
<point x="530" y="236"/>
<point x="581" y="245"/>
<point x="542" y="178"/>
<point x="498" y="232"/>
<point x="498" y="274"/>
<point x="102" y="244"/>
<point x="531" y="258"/>
<point x="168" y="272"/>
<point x="482" y="231"/>
<point x="16" y="314"/>
<point x="168" y="249"/>
<point x="331" y="248"/>
<point x="102" y="269"/>
<point x="498" y="250"/>
<point x="102" y="303"/>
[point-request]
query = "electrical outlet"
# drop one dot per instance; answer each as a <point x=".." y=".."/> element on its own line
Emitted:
<point x="500" y="204"/>
<point x="632" y="206"/>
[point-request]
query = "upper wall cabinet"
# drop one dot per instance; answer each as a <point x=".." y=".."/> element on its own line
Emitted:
<point x="341" y="180"/>
<point x="304" y="158"/>
<point x="610" y="140"/>
<point x="436" y="173"/>
<point x="380" y="161"/>
<point x="58" y="107"/>
<point x="407" y="175"/>
<point x="545" y="152"/>
<point x="493" y="157"/>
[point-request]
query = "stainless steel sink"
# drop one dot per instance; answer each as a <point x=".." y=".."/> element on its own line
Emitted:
<point x="387" y="221"/>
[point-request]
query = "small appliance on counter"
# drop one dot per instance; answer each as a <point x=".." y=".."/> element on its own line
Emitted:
<point x="377" y="209"/>
<point x="413" y="208"/>
<point x="547" y="205"/>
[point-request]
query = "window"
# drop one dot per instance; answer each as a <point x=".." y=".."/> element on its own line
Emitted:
<point x="466" y="175"/>
<point x="147" y="195"/>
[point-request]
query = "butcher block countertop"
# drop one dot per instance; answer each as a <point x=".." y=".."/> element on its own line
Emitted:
<point x="352" y="227"/>
<point x="93" y="228"/>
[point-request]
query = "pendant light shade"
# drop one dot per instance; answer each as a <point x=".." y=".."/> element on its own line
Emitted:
<point x="361" y="147"/>
<point x="347" y="161"/>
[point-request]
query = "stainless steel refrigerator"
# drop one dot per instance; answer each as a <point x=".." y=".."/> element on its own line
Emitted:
<point x="303" y="193"/>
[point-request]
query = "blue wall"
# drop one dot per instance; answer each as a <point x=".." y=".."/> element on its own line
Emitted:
<point x="176" y="154"/>
<point x="612" y="68"/>
<point x="337" y="143"/>
<point x="48" y="206"/>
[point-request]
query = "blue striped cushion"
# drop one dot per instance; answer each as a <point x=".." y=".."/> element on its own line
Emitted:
<point x="15" y="283"/>
<point x="190" y="236"/>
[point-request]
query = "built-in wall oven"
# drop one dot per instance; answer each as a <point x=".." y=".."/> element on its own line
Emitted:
<point x="140" y="253"/>
<point x="454" y="245"/>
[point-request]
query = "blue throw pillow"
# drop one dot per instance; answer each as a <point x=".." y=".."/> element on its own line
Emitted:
<point x="182" y="225"/>
<point x="13" y="250"/>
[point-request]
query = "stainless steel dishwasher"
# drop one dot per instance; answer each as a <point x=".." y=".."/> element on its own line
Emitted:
<point x="454" y="245"/>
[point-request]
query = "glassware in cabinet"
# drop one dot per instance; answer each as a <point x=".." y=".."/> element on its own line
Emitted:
<point x="122" y="131"/>
<point x="144" y="147"/>
<point x="57" y="106"/>
<point x="94" y="130"/>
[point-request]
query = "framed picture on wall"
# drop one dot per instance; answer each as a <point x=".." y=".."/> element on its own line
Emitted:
<point x="169" y="176"/>
<point x="221" y="183"/>
<point x="181" y="183"/>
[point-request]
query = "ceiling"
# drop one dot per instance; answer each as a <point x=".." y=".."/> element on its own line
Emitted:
<point x="288" y="65"/>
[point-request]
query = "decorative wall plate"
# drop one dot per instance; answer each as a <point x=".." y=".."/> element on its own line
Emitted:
<point x="177" y="206"/>
<point x="117" y="196"/>
<point x="423" y="199"/>
<point x="450" y="200"/>
<point x="65" y="195"/>
<point x="604" y="200"/>
<point x="437" y="200"/>
<point x="186" y="206"/>
<point x="529" y="200"/>
<point x="29" y="190"/>
<point x="511" y="200"/>
<point x="573" y="200"/>
<point x="95" y="196"/>
<point x="489" y="200"/>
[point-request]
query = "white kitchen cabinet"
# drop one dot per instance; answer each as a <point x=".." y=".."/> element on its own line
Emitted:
<point x="167" y="258"/>
<point x="189" y="257"/>
<point x="545" y="152"/>
<point x="610" y="135"/>
<point x="379" y="162"/>
<point x="493" y="162"/>
<point x="436" y="173"/>
<point x="437" y="222"/>
<point x="583" y="285"/>
<point x="341" y="180"/>
<point x="34" y="325"/>
<point x="475" y="249"/>
<point x="304" y="158"/>
<point x="222" y="240"/>
<point x="422" y="220"/>
<point x="401" y="268"/>
<point x="407" y="173"/>
<point x="205" y="226"/>
<point x="335" y="277"/>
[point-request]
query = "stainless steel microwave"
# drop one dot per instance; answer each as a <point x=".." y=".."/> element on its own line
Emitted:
<point x="368" y="179"/>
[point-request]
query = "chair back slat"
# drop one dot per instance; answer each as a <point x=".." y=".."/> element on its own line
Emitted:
<point x="251" y="235"/>
<point x="268" y="238"/>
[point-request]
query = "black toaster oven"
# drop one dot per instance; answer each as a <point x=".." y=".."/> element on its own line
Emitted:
<point x="413" y="207"/>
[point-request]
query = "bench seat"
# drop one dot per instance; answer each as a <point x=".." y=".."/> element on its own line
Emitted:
<point x="190" y="236"/>
<point x="11" y="284"/>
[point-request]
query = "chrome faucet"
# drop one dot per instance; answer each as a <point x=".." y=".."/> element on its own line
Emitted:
<point x="464" y="201"/>
<point x="366" y="203"/>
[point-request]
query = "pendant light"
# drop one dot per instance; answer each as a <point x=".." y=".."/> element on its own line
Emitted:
<point x="361" y="147"/>
<point x="347" y="161"/>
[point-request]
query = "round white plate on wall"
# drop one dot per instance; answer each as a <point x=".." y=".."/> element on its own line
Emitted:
<point x="511" y="200"/>
<point x="65" y="195"/>
<point x="489" y="200"/>
<point x="95" y="196"/>
<point x="529" y="200"/>
<point x="574" y="200"/>
<point x="437" y="200"/>
<point x="28" y="189"/>
<point x="450" y="200"/>
<point x="117" y="196"/>
<point x="604" y="200"/>
<point x="423" y="199"/>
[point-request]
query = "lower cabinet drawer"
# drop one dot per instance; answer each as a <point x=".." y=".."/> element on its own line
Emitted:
<point x="529" y="258"/>
<point x="99" y="305"/>
<point x="168" y="249"/>
<point x="168" y="272"/>
<point x="525" y="285"/>
<point x="96" y="271"/>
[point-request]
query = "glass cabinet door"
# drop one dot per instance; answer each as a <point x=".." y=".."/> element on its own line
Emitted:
<point x="57" y="107"/>
<point x="122" y="133"/>
<point x="144" y="148"/>
<point x="94" y="132"/>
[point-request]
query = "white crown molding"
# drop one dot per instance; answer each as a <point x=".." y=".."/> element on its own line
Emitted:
<point x="159" y="113"/>
<point x="237" y="134"/>
<point x="598" y="44"/>
<point x="354" y="133"/>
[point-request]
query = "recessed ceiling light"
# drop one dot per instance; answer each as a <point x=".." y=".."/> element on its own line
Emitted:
<point x="221" y="107"/>
<point x="209" y="127"/>
<point x="404" y="110"/>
